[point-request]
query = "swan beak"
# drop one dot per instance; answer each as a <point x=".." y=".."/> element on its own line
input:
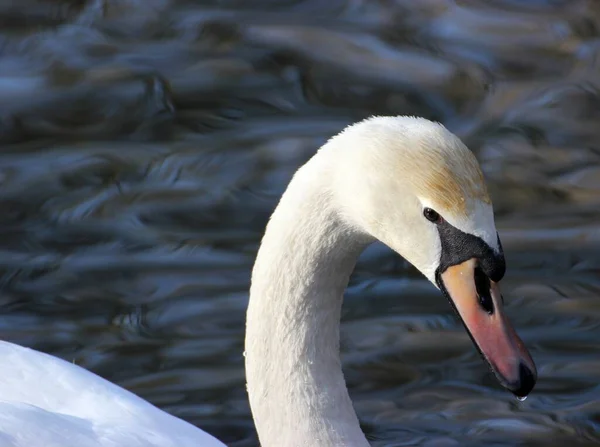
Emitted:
<point x="483" y="315"/>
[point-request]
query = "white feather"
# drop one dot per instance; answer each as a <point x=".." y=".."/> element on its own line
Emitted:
<point x="48" y="402"/>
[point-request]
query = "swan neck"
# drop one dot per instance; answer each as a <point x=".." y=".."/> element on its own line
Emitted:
<point x="296" y="387"/>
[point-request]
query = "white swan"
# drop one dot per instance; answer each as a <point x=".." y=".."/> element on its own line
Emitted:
<point x="384" y="178"/>
<point x="414" y="186"/>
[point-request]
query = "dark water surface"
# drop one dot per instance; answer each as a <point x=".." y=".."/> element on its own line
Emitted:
<point x="144" y="143"/>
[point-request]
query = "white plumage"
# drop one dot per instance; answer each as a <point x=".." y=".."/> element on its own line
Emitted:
<point x="48" y="402"/>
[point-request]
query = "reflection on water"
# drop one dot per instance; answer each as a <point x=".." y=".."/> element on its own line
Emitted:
<point x="145" y="142"/>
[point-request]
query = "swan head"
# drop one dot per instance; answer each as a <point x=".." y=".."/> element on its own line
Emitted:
<point x="413" y="185"/>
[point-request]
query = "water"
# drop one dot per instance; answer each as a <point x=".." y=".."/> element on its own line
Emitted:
<point x="145" y="142"/>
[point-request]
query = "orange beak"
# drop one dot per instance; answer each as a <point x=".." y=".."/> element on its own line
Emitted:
<point x="479" y="303"/>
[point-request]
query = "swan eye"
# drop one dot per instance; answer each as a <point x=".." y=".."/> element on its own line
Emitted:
<point x="431" y="215"/>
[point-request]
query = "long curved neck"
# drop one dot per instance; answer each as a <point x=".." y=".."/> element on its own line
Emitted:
<point x="296" y="388"/>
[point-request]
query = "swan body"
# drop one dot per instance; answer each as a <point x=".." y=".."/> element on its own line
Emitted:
<point x="406" y="182"/>
<point x="48" y="402"/>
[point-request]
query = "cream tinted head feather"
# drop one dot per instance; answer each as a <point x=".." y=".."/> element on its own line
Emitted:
<point x="438" y="166"/>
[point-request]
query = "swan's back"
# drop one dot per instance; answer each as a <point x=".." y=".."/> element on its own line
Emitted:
<point x="47" y="402"/>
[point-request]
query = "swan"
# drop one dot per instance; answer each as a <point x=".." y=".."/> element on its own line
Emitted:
<point x="405" y="181"/>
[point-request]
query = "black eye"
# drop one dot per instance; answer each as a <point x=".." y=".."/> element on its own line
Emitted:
<point x="431" y="215"/>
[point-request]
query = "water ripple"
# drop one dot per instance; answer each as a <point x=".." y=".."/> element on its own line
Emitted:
<point x="144" y="144"/>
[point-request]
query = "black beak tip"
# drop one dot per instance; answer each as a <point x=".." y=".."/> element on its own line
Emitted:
<point x="527" y="380"/>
